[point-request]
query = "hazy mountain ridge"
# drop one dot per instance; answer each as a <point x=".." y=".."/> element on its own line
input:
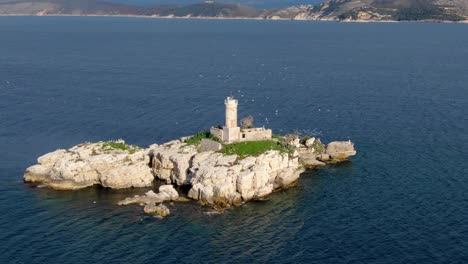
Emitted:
<point x="262" y="4"/>
<point x="337" y="10"/>
<point x="395" y="10"/>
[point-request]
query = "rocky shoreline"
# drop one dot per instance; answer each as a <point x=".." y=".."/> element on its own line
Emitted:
<point x="244" y="18"/>
<point x="210" y="176"/>
<point x="331" y="10"/>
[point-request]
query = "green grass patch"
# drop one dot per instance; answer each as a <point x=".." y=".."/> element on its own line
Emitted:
<point x="118" y="145"/>
<point x="253" y="148"/>
<point x="277" y="137"/>
<point x="195" y="139"/>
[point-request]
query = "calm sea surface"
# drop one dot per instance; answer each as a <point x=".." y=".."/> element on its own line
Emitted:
<point x="399" y="91"/>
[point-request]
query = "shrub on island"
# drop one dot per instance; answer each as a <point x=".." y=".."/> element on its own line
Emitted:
<point x="197" y="138"/>
<point x="118" y="145"/>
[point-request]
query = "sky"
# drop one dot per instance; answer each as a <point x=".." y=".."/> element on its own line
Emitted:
<point x="254" y="3"/>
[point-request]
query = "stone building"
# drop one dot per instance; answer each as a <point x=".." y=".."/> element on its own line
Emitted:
<point x="231" y="132"/>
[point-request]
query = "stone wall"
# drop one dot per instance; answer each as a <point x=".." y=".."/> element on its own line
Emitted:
<point x="254" y="134"/>
<point x="217" y="132"/>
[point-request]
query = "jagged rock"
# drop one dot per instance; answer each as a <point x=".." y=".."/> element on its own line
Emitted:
<point x="311" y="162"/>
<point x="183" y="200"/>
<point x="209" y="145"/>
<point x="88" y="164"/>
<point x="171" y="162"/>
<point x="264" y="191"/>
<point x="151" y="193"/>
<point x="317" y="154"/>
<point x="130" y="200"/>
<point x="309" y="157"/>
<point x="166" y="193"/>
<point x="149" y="198"/>
<point x="235" y="199"/>
<point x="215" y="179"/>
<point x="160" y="210"/>
<point x="310" y="142"/>
<point x="172" y="194"/>
<point x="218" y="179"/>
<point x="245" y="185"/>
<point x="172" y="142"/>
<point x="247" y="163"/>
<point x="324" y="157"/>
<point x="286" y="177"/>
<point x="340" y="150"/>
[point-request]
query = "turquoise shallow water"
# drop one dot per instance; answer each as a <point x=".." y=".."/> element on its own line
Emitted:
<point x="399" y="91"/>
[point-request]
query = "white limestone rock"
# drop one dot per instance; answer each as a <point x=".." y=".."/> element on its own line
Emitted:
<point x="51" y="158"/>
<point x="151" y="199"/>
<point x="264" y="191"/>
<point x="247" y="163"/>
<point x="324" y="157"/>
<point x="160" y="210"/>
<point x="310" y="142"/>
<point x="171" y="162"/>
<point x="218" y="179"/>
<point x="340" y="150"/>
<point x="88" y="164"/>
<point x="244" y="185"/>
<point x="309" y="160"/>
<point x="287" y="177"/>
<point x="215" y="179"/>
<point x="130" y="200"/>
<point x="170" y="191"/>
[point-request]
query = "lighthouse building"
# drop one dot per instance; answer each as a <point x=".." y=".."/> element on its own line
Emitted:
<point x="231" y="132"/>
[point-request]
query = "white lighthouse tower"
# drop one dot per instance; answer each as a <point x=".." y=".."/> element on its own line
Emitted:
<point x="231" y="131"/>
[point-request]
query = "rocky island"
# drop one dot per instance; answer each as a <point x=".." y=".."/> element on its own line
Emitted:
<point x="226" y="166"/>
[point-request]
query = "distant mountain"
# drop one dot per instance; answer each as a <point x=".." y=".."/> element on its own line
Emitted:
<point x="253" y="3"/>
<point x="393" y="10"/>
<point x="67" y="7"/>
<point x="337" y="10"/>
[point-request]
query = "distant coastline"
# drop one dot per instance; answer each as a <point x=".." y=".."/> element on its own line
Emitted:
<point x="237" y="18"/>
<point x="440" y="11"/>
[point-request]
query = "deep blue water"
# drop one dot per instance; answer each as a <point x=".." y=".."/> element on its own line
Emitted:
<point x="399" y="91"/>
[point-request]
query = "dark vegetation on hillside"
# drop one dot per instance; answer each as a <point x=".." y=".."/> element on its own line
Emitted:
<point x="399" y="10"/>
<point x="407" y="10"/>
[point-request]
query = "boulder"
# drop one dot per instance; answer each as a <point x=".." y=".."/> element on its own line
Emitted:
<point x="310" y="142"/>
<point x="209" y="145"/>
<point x="286" y="177"/>
<point x="160" y="210"/>
<point x="324" y="157"/>
<point x="130" y="200"/>
<point x="170" y="191"/>
<point x="340" y="150"/>
<point x="151" y="201"/>
<point x="309" y="159"/>
<point x="149" y="198"/>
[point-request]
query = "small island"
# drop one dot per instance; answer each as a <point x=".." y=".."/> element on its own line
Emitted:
<point x="224" y="167"/>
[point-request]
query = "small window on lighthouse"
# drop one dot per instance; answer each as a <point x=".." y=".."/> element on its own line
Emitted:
<point x="243" y="135"/>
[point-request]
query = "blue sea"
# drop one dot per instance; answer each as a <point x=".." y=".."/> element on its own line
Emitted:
<point x="399" y="91"/>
